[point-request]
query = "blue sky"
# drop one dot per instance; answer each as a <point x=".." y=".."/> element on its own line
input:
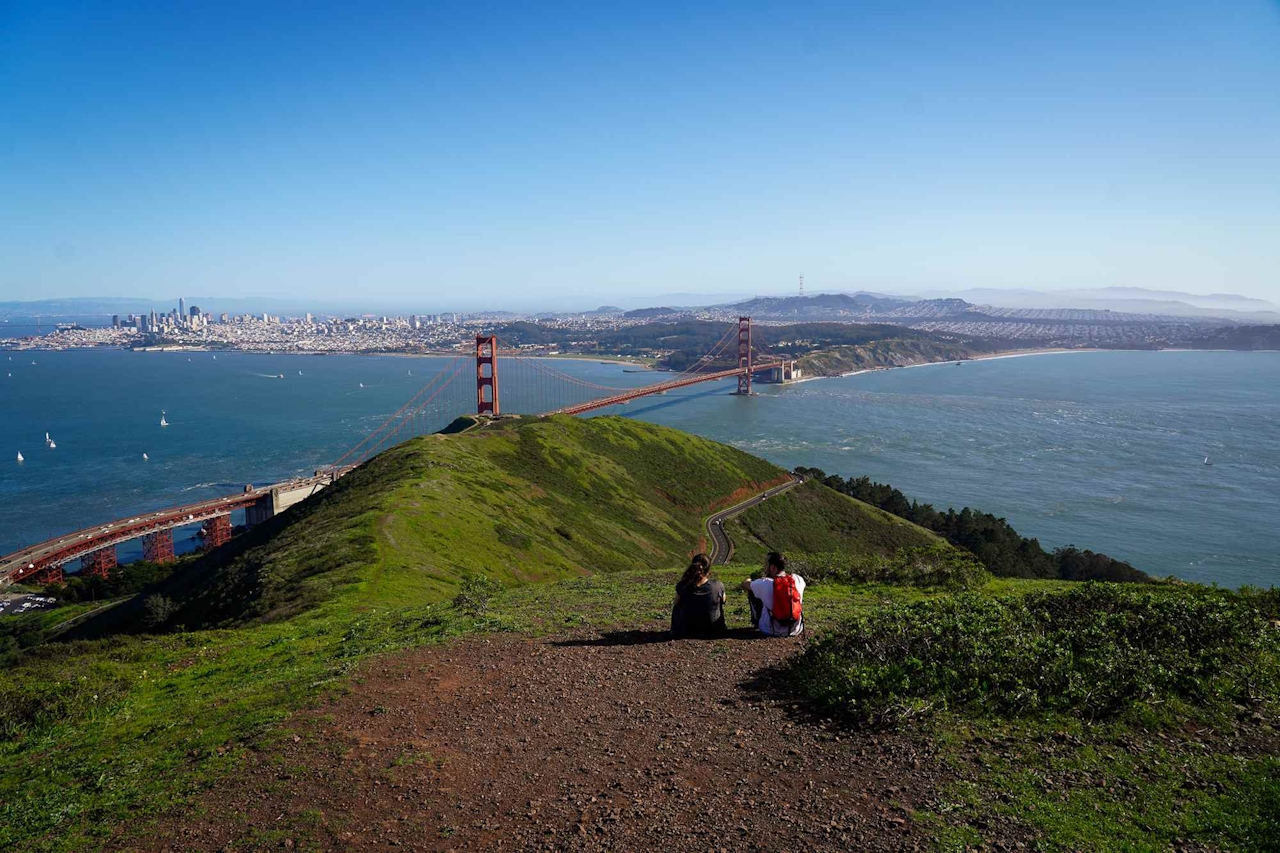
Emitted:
<point x="496" y="154"/>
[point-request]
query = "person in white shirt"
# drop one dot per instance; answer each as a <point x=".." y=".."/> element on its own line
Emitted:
<point x="760" y="599"/>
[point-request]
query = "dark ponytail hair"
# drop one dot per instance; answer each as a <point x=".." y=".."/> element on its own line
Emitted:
<point x="778" y="561"/>
<point x="699" y="568"/>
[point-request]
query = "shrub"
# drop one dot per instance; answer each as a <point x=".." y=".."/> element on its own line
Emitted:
<point x="474" y="594"/>
<point x="937" y="566"/>
<point x="157" y="609"/>
<point x="1092" y="651"/>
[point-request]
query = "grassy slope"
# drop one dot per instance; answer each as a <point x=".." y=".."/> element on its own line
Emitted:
<point x="97" y="732"/>
<point x="522" y="502"/>
<point x="813" y="519"/>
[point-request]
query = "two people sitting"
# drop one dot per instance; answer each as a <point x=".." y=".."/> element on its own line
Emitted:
<point x="775" y="600"/>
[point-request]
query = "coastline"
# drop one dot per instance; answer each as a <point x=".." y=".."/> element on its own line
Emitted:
<point x="1021" y="353"/>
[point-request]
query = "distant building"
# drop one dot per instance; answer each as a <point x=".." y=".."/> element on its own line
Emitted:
<point x="182" y="307"/>
<point x="115" y="321"/>
<point x="222" y="318"/>
<point x="195" y="311"/>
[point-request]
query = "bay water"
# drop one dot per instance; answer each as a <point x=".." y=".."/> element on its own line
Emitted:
<point x="1103" y="450"/>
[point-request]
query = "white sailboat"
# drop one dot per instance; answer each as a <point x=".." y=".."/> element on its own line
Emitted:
<point x="163" y="422"/>
<point x="47" y="440"/>
<point x="215" y="358"/>
<point x="1206" y="461"/>
<point x="145" y="457"/>
<point x="20" y="459"/>
<point x="53" y="445"/>
<point x="361" y="384"/>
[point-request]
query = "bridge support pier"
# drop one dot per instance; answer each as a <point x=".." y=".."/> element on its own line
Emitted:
<point x="158" y="547"/>
<point x="100" y="563"/>
<point x="217" y="531"/>
<point x="744" y="355"/>
<point x="44" y="577"/>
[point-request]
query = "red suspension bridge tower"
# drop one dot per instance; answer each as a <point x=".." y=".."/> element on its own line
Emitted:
<point x="487" y="356"/>
<point x="744" y="355"/>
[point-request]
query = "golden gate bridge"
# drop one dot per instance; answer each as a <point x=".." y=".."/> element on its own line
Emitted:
<point x="493" y="382"/>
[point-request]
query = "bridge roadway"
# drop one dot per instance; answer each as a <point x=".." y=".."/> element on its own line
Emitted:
<point x="63" y="549"/>
<point x="660" y="387"/>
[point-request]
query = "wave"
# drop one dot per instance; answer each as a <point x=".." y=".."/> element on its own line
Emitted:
<point x="211" y="486"/>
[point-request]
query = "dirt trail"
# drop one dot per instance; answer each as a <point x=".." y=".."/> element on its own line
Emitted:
<point x="620" y="741"/>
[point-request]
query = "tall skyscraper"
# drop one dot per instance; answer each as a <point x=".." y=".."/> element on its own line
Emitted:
<point x="182" y="307"/>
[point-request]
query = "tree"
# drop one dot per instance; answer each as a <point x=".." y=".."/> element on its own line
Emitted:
<point x="157" y="609"/>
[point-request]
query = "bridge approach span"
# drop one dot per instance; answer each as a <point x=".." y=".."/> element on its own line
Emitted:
<point x="39" y="563"/>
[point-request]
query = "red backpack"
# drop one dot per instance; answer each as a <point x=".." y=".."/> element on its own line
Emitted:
<point x="786" y="599"/>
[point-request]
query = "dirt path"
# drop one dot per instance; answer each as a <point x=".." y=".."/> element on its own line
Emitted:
<point x="624" y="741"/>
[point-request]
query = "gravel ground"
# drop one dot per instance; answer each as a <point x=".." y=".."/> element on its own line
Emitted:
<point x="622" y="741"/>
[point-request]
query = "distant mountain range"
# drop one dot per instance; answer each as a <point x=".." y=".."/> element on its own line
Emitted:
<point x="1134" y="300"/>
<point x="1110" y="304"/>
<point x="1116" y="306"/>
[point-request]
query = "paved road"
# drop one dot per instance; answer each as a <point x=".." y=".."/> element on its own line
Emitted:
<point x="721" y="547"/>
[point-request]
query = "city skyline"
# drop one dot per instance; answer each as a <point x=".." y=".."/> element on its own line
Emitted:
<point x="432" y="155"/>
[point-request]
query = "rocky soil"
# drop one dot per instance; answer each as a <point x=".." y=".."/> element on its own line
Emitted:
<point x="622" y="741"/>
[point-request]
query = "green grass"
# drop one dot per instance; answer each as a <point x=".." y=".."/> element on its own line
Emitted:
<point x="1122" y="785"/>
<point x="1097" y="717"/>
<point x="579" y="525"/>
<point x="1095" y="650"/>
<point x="108" y="728"/>
<point x="814" y="519"/>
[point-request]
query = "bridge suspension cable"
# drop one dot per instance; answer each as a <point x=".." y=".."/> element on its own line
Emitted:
<point x="531" y="385"/>
<point x="375" y="442"/>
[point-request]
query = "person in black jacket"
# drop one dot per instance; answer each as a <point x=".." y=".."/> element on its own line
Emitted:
<point x="698" y="610"/>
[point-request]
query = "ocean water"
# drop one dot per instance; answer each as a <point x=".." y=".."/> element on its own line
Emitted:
<point x="1100" y="450"/>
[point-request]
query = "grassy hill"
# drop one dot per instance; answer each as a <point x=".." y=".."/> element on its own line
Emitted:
<point x="114" y="724"/>
<point x="518" y="502"/>
<point x="813" y="519"/>
<point x="547" y="525"/>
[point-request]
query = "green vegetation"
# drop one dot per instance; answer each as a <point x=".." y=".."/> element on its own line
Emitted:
<point x="528" y="500"/>
<point x="814" y="519"/>
<point x="936" y="566"/>
<point x="1095" y="650"/>
<point x="1089" y="715"/>
<point x="125" y="579"/>
<point x="1095" y="716"/>
<point x="108" y="727"/>
<point x="827" y="348"/>
<point x="991" y="539"/>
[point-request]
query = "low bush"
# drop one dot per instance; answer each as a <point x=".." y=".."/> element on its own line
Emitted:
<point x="938" y="566"/>
<point x="475" y="591"/>
<point x="1092" y="651"/>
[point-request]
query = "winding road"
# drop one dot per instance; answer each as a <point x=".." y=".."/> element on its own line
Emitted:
<point x="721" y="547"/>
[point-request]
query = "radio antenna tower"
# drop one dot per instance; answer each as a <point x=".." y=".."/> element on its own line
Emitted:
<point x="802" y="287"/>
